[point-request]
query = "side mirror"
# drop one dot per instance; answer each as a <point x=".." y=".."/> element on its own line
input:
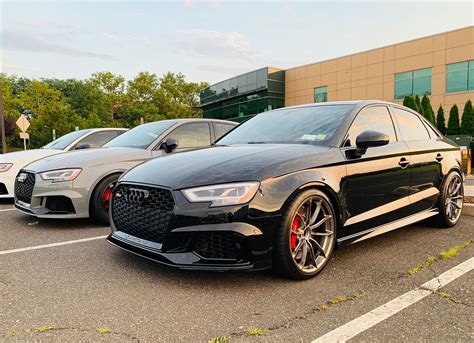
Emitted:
<point x="169" y="145"/>
<point x="369" y="139"/>
<point x="83" y="146"/>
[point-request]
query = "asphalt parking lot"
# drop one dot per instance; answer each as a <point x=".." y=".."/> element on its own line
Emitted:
<point x="60" y="280"/>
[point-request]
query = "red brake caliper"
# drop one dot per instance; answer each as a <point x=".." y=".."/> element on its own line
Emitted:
<point x="294" y="230"/>
<point x="106" y="197"/>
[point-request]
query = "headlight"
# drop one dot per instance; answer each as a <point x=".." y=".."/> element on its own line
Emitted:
<point x="223" y="195"/>
<point x="5" y="167"/>
<point x="60" y="175"/>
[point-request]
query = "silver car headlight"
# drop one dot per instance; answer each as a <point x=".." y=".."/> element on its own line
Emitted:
<point x="61" y="175"/>
<point x="223" y="195"/>
<point x="4" y="167"/>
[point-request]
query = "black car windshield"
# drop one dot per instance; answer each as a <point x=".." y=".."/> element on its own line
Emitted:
<point x="303" y="125"/>
<point x="64" y="141"/>
<point x="141" y="136"/>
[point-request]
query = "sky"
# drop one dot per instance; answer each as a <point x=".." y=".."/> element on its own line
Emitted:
<point x="206" y="40"/>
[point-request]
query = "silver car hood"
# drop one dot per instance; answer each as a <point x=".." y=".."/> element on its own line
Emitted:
<point x="89" y="158"/>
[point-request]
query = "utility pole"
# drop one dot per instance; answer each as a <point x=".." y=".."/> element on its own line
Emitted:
<point x="2" y="122"/>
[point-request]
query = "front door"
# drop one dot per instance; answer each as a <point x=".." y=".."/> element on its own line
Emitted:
<point x="376" y="188"/>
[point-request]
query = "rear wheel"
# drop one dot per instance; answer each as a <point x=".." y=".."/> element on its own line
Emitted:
<point x="306" y="236"/>
<point x="451" y="200"/>
<point x="99" y="204"/>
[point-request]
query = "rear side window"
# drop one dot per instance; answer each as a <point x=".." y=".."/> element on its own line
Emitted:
<point x="221" y="129"/>
<point x="411" y="127"/>
<point x="374" y="118"/>
<point x="192" y="135"/>
<point x="432" y="132"/>
<point x="98" y="139"/>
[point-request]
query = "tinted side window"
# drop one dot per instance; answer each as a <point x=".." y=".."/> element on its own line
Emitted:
<point x="221" y="129"/>
<point x="375" y="118"/>
<point x="411" y="127"/>
<point x="192" y="135"/>
<point x="98" y="139"/>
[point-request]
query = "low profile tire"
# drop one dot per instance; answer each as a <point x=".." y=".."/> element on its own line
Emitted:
<point x="451" y="201"/>
<point x="99" y="204"/>
<point x="306" y="236"/>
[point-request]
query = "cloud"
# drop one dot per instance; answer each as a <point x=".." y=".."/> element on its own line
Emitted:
<point x="217" y="44"/>
<point x="14" y="39"/>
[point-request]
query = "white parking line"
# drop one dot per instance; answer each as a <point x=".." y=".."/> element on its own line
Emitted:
<point x="8" y="209"/>
<point x="44" y="246"/>
<point x="372" y="318"/>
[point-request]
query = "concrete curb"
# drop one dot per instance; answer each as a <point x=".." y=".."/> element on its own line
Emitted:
<point x="468" y="210"/>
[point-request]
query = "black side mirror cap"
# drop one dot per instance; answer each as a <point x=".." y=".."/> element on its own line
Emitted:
<point x="82" y="146"/>
<point x="169" y="145"/>
<point x="369" y="139"/>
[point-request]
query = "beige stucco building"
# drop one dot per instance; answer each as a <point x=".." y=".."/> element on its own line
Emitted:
<point x="371" y="74"/>
<point x="440" y="66"/>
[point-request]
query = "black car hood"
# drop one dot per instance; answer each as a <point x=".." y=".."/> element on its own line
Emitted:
<point x="222" y="164"/>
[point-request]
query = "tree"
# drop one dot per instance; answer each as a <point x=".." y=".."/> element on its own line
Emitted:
<point x="441" y="121"/>
<point x="467" y="123"/>
<point x="113" y="86"/>
<point x="453" y="122"/>
<point x="409" y="101"/>
<point x="428" y="110"/>
<point x="419" y="108"/>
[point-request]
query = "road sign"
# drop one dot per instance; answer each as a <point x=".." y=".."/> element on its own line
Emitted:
<point x="24" y="135"/>
<point x="23" y="123"/>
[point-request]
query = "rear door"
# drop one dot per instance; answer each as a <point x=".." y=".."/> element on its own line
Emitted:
<point x="426" y="159"/>
<point x="375" y="190"/>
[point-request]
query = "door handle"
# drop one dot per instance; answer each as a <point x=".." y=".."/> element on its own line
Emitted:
<point x="403" y="163"/>
<point x="439" y="157"/>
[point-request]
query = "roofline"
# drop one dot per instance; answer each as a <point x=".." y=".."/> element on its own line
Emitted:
<point x="382" y="47"/>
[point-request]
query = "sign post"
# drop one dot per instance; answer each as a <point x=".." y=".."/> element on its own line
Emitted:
<point x="23" y="124"/>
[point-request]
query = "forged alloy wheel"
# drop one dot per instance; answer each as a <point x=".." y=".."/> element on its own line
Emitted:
<point x="453" y="199"/>
<point x="312" y="234"/>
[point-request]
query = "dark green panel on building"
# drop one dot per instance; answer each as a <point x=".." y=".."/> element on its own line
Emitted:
<point x="245" y="95"/>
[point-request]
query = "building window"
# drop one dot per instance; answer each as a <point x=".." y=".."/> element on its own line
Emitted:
<point x="460" y="77"/>
<point x="413" y="82"/>
<point x="321" y="94"/>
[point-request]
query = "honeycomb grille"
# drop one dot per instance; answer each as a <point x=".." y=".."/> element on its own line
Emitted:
<point x="218" y="245"/>
<point x="142" y="211"/>
<point x="24" y="185"/>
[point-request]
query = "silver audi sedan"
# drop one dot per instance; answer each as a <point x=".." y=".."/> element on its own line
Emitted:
<point x="79" y="184"/>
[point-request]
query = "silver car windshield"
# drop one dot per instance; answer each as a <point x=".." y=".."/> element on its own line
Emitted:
<point x="303" y="125"/>
<point x="140" y="137"/>
<point x="64" y="141"/>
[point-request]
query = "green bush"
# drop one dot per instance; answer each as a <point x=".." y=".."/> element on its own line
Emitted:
<point x="467" y="124"/>
<point x="441" y="121"/>
<point x="428" y="110"/>
<point x="453" y="122"/>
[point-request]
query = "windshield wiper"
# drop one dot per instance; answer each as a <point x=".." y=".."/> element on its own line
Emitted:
<point x="257" y="143"/>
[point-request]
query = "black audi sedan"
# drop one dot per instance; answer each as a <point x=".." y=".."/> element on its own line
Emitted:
<point x="284" y="188"/>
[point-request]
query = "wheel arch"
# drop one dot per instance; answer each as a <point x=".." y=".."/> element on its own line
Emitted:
<point x="98" y="181"/>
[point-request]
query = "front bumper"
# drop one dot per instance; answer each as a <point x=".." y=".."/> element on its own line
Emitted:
<point x="191" y="256"/>
<point x="193" y="236"/>
<point x="61" y="200"/>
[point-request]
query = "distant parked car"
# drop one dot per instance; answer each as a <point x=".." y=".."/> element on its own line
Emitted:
<point x="287" y="186"/>
<point x="79" y="185"/>
<point x="11" y="163"/>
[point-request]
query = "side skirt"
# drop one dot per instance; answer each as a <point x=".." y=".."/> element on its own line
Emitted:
<point x="360" y="236"/>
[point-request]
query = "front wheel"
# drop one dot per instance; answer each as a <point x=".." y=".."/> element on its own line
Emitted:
<point x="451" y="200"/>
<point x="306" y="237"/>
<point x="99" y="205"/>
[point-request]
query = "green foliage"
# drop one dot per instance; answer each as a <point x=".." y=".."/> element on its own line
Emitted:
<point x="428" y="110"/>
<point x="441" y="121"/>
<point x="419" y="108"/>
<point x="103" y="100"/>
<point x="453" y="122"/>
<point x="467" y="124"/>
<point x="409" y="101"/>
